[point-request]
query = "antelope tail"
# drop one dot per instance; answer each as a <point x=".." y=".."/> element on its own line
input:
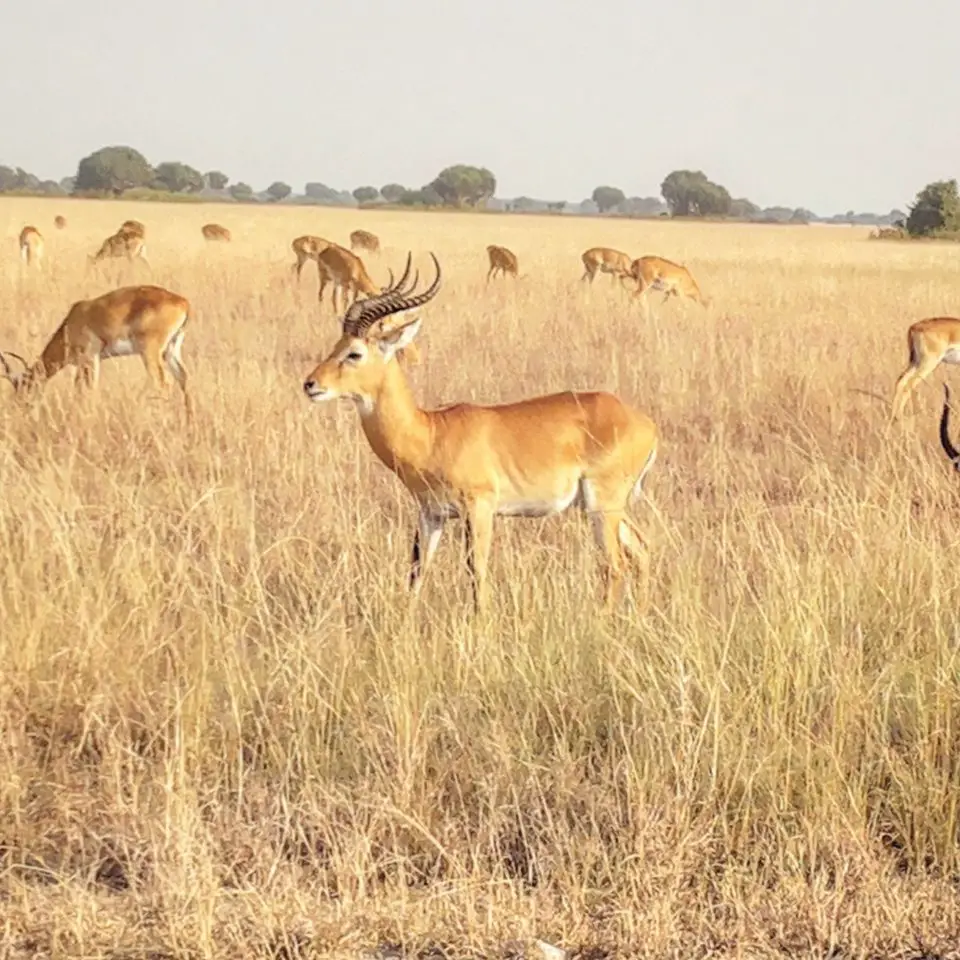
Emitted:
<point x="948" y="448"/>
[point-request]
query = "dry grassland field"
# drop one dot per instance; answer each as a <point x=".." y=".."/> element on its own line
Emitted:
<point x="225" y="732"/>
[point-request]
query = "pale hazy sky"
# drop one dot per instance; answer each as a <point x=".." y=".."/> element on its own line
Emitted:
<point x="828" y="104"/>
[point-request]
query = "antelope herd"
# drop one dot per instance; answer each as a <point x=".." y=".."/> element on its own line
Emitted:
<point x="532" y="458"/>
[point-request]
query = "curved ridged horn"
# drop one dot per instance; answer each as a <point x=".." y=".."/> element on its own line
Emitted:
<point x="352" y="317"/>
<point x="7" y="372"/>
<point x="364" y="313"/>
<point x="951" y="451"/>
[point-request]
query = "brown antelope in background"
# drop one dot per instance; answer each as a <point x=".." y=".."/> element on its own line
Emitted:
<point x="347" y="273"/>
<point x="307" y="248"/>
<point x="215" y="233"/>
<point x="673" y="279"/>
<point x="930" y="342"/>
<point x="31" y="246"/>
<point x="605" y="260"/>
<point x="145" y="321"/>
<point x="60" y="222"/>
<point x="133" y="227"/>
<point x="502" y="261"/>
<point x="530" y="458"/>
<point x="121" y="244"/>
<point x="364" y="240"/>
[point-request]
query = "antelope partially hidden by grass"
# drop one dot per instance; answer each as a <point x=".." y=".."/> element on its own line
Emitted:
<point x="930" y="342"/>
<point x="672" y="279"/>
<point x="31" y="246"/>
<point x="605" y="260"/>
<point x="123" y="243"/>
<point x="531" y="458"/>
<point x="364" y="240"/>
<point x="502" y="261"/>
<point x="145" y="321"/>
<point x="215" y="233"/>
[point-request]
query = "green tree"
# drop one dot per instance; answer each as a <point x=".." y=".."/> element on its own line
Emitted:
<point x="113" y="169"/>
<point x="743" y="209"/>
<point x="463" y="185"/>
<point x="937" y="208"/>
<point x="426" y="196"/>
<point x="690" y="193"/>
<point x="278" y="190"/>
<point x="178" y="178"/>
<point x="606" y="198"/>
<point x="242" y="192"/>
<point x="392" y="192"/>
<point x="366" y="194"/>
<point x="216" y="180"/>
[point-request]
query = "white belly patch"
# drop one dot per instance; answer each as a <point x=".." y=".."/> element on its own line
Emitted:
<point x="538" y="508"/>
<point x="119" y="348"/>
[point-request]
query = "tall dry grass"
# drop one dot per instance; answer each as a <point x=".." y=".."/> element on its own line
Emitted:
<point x="224" y="733"/>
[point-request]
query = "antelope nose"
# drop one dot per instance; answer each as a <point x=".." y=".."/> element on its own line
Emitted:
<point x="310" y="386"/>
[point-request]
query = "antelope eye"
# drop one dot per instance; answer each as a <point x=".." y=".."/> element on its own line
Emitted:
<point x="354" y="357"/>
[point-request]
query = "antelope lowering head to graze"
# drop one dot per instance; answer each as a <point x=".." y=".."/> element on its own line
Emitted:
<point x="214" y="232"/>
<point x="121" y="244"/>
<point x="530" y="458"/>
<point x="673" y="279"/>
<point x="60" y="222"/>
<point x="145" y="321"/>
<point x="307" y="248"/>
<point x="930" y="342"/>
<point x="502" y="261"/>
<point x="31" y="246"/>
<point x="364" y="240"/>
<point x="605" y="260"/>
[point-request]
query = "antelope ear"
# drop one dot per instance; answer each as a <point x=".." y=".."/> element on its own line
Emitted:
<point x="395" y="338"/>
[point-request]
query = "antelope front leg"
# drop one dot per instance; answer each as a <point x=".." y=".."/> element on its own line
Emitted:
<point x="425" y="542"/>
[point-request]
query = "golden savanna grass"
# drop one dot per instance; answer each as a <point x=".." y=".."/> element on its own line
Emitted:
<point x="225" y="733"/>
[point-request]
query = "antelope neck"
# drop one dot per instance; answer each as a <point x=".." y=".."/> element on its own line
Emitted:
<point x="397" y="429"/>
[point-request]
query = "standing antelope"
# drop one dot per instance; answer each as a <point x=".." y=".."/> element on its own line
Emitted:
<point x="502" y="260"/>
<point x="364" y="240"/>
<point x="120" y="244"/>
<point x="605" y="260"/>
<point x="60" y="222"/>
<point x="307" y="248"/>
<point x="531" y="458"/>
<point x="673" y="279"/>
<point x="214" y="232"/>
<point x="134" y="227"/>
<point x="146" y="321"/>
<point x="31" y="246"/>
<point x="930" y="342"/>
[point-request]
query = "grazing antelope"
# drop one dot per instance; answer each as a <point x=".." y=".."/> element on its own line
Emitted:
<point x="120" y="244"/>
<point x="502" y="260"/>
<point x="345" y="270"/>
<point x="214" y="232"/>
<point x="364" y="240"/>
<point x="948" y="448"/>
<point x="605" y="260"/>
<point x="146" y="321"/>
<point x="31" y="246"/>
<point x="307" y="248"/>
<point x="60" y="222"/>
<point x="930" y="342"/>
<point x="673" y="279"/>
<point x="531" y="458"/>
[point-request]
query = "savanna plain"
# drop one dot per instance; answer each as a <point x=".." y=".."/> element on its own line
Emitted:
<point x="226" y="732"/>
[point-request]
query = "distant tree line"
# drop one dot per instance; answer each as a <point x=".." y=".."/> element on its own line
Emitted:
<point x="123" y="171"/>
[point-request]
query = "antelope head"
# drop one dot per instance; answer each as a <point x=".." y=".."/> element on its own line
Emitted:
<point x="21" y="380"/>
<point x="371" y="337"/>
